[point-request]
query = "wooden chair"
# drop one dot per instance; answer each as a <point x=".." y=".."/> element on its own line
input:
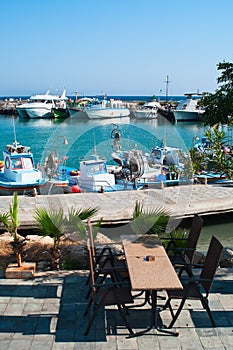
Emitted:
<point x="192" y="289"/>
<point x="106" y="293"/>
<point x="182" y="258"/>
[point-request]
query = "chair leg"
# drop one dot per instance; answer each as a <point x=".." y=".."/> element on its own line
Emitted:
<point x="123" y="316"/>
<point x="205" y="305"/>
<point x="177" y="313"/>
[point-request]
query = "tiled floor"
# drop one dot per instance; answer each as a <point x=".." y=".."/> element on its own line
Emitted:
<point x="47" y="313"/>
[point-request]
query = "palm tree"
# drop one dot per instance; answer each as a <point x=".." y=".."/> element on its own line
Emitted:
<point x="11" y="222"/>
<point x="54" y="224"/>
<point x="151" y="221"/>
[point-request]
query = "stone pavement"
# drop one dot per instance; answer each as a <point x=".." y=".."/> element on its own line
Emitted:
<point x="46" y="313"/>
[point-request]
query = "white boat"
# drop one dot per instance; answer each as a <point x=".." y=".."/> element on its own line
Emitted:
<point x="189" y="108"/>
<point x="19" y="173"/>
<point x="148" y="110"/>
<point x="107" y="109"/>
<point x="41" y="106"/>
<point x="95" y="176"/>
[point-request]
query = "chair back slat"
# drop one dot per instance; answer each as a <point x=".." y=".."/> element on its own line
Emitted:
<point x="211" y="263"/>
<point x="193" y="236"/>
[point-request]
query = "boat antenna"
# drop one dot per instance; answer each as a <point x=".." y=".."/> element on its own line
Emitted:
<point x="167" y="81"/>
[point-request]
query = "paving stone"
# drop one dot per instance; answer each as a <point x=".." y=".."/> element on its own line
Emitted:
<point x="5" y="344"/>
<point x="42" y="314"/>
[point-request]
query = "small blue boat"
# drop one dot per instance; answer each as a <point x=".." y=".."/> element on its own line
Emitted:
<point x="18" y="173"/>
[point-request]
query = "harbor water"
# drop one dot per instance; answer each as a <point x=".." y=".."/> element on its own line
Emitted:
<point x="93" y="137"/>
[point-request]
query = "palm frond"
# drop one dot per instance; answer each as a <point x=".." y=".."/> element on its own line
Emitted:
<point x="150" y="221"/>
<point x="5" y="220"/>
<point x="49" y="222"/>
<point x="137" y="209"/>
<point x="75" y="221"/>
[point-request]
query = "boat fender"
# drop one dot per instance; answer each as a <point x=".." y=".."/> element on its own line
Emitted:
<point x="75" y="189"/>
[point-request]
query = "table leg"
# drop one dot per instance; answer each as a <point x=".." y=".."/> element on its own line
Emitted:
<point x="154" y="319"/>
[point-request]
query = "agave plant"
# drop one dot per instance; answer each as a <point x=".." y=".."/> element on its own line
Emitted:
<point x="151" y="221"/>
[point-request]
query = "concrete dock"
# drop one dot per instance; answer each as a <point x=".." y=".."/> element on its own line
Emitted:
<point x="117" y="207"/>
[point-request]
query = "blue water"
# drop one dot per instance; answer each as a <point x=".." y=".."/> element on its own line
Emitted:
<point x="86" y="137"/>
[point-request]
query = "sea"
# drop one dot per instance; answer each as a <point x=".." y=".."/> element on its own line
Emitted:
<point x="87" y="138"/>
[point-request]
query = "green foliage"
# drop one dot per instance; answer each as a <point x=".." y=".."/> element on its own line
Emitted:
<point x="10" y="220"/>
<point x="75" y="221"/>
<point x="219" y="161"/>
<point x="151" y="221"/>
<point x="197" y="159"/>
<point x="50" y="223"/>
<point x="71" y="263"/>
<point x="54" y="223"/>
<point x="219" y="105"/>
<point x="180" y="234"/>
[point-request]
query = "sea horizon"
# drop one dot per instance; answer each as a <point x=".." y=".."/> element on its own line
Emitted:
<point x="122" y="97"/>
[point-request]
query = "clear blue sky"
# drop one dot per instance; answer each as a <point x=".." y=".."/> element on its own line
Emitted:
<point x="119" y="47"/>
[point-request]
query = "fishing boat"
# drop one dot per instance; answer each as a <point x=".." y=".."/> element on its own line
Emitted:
<point x="77" y="108"/>
<point x="95" y="175"/>
<point x="19" y="173"/>
<point x="189" y="109"/>
<point x="41" y="106"/>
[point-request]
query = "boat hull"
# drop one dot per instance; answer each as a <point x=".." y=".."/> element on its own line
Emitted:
<point x="77" y="113"/>
<point x="7" y="189"/>
<point x="145" y="114"/>
<point x="187" y="115"/>
<point x="22" y="112"/>
<point x="100" y="113"/>
<point x="39" y="113"/>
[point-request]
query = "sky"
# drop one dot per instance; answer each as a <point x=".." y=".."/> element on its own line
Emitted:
<point x="115" y="47"/>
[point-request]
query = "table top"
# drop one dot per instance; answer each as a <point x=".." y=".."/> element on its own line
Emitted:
<point x="149" y="275"/>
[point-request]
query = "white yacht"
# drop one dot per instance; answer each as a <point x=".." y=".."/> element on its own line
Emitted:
<point x="189" y="108"/>
<point x="107" y="109"/>
<point x="40" y="106"/>
<point x="148" y="110"/>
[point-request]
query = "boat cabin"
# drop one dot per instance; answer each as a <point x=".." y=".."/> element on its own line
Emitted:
<point x="94" y="176"/>
<point x="19" y="164"/>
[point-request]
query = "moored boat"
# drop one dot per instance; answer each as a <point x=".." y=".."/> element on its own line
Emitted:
<point x="19" y="173"/>
<point x="41" y="106"/>
<point x="189" y="108"/>
<point x="106" y="109"/>
<point x="147" y="111"/>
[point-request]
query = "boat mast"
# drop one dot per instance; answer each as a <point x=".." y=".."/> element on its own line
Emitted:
<point x="15" y="141"/>
<point x="167" y="81"/>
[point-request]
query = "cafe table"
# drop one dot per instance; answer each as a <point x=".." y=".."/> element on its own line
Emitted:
<point x="150" y="270"/>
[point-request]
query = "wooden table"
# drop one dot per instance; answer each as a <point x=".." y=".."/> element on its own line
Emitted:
<point x="150" y="276"/>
